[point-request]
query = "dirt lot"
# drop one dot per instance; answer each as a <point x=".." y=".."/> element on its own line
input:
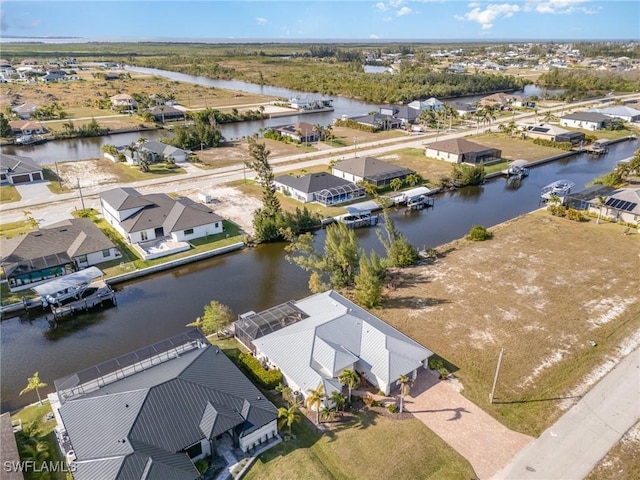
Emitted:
<point x="544" y="288"/>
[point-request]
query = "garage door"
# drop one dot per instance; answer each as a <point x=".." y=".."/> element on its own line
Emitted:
<point x="37" y="176"/>
<point x="20" y="178"/>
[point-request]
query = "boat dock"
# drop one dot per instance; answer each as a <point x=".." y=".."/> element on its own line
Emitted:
<point x="102" y="295"/>
<point x="414" y="199"/>
<point x="599" y="147"/>
<point x="360" y="215"/>
<point x="517" y="168"/>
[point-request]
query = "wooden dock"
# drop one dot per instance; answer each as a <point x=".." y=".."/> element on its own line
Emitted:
<point x="104" y="296"/>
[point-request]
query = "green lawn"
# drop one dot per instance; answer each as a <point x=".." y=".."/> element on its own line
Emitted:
<point x="55" y="184"/>
<point x="12" y="229"/>
<point x="516" y="148"/>
<point x="369" y="446"/>
<point x="9" y="193"/>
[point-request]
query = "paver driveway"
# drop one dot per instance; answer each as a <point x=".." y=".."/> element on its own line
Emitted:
<point x="474" y="434"/>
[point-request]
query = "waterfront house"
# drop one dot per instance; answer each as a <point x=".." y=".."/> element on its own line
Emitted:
<point x="159" y="152"/>
<point x="622" y="112"/>
<point x="25" y="110"/>
<point x="55" y="250"/>
<point x="369" y="169"/>
<point x="322" y="187"/>
<point x="140" y="218"/>
<point x="330" y="334"/>
<point x="502" y="100"/>
<point x="302" y="132"/>
<point x="27" y="127"/>
<point x="166" y="113"/>
<point x="378" y="121"/>
<point x="16" y="169"/>
<point x="432" y="104"/>
<point x="464" y="109"/>
<point x="585" y="120"/>
<point x="622" y="204"/>
<point x="153" y="413"/>
<point x="123" y="101"/>
<point x="553" y="133"/>
<point x="461" y="150"/>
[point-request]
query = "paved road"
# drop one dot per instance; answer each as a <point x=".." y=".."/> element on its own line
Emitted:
<point x="572" y="447"/>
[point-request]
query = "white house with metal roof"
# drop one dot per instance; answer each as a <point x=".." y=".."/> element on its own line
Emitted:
<point x="319" y="187"/>
<point x="320" y="336"/>
<point x="623" y="112"/>
<point x="586" y="120"/>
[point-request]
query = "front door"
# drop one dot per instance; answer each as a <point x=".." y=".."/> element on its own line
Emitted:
<point x="159" y="232"/>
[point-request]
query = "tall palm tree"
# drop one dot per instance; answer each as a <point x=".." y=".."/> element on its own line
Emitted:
<point x="405" y="383"/>
<point x="288" y="416"/>
<point x="413" y="179"/>
<point x="395" y="184"/>
<point x="34" y="383"/>
<point x="350" y="378"/>
<point x="338" y="400"/>
<point x="602" y="200"/>
<point x="315" y="399"/>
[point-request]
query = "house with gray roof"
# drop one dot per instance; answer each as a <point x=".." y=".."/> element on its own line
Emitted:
<point x="166" y="113"/>
<point x="553" y="133"/>
<point x="313" y="340"/>
<point x="53" y="251"/>
<point x="369" y="169"/>
<point x="151" y="414"/>
<point x="319" y="187"/>
<point x="139" y="218"/>
<point x="461" y="150"/>
<point x="16" y="169"/>
<point x="378" y="121"/>
<point x="302" y="132"/>
<point x="585" y="120"/>
<point x="432" y="104"/>
<point x="623" y="112"/>
<point x="25" y="110"/>
<point x="622" y="204"/>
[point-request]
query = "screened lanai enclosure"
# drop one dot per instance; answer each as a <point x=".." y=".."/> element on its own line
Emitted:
<point x="340" y="194"/>
<point x="251" y="325"/>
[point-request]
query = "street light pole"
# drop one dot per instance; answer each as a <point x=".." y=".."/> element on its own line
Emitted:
<point x="80" y="190"/>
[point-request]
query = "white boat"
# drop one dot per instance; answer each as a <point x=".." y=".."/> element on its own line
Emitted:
<point x="68" y="287"/>
<point x="518" y="168"/>
<point x="559" y="188"/>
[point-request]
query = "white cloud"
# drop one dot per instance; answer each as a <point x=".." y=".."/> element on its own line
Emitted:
<point x="403" y="11"/>
<point x="373" y="36"/>
<point x="261" y="21"/>
<point x="396" y="3"/>
<point x="491" y="12"/>
<point x="381" y="6"/>
<point x="474" y="4"/>
<point x="558" y="6"/>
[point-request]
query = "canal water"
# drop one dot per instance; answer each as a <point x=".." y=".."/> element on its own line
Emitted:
<point x="83" y="148"/>
<point x="159" y="306"/>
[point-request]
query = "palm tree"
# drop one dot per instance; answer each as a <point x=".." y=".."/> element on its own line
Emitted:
<point x="34" y="383"/>
<point x="548" y="117"/>
<point x="315" y="399"/>
<point x="405" y="383"/>
<point x="413" y="179"/>
<point x="350" y="378"/>
<point x="288" y="416"/>
<point x="396" y="184"/>
<point x="602" y="200"/>
<point x="338" y="400"/>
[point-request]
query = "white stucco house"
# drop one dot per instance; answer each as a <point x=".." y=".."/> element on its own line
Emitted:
<point x="585" y="120"/>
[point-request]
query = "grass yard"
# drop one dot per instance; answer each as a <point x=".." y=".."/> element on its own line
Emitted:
<point x="543" y="288"/>
<point x="13" y="229"/>
<point x="515" y="148"/>
<point x="372" y="446"/>
<point x="8" y="194"/>
<point x="430" y="169"/>
<point x="622" y="462"/>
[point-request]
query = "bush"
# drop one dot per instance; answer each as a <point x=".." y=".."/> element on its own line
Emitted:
<point x="567" y="146"/>
<point x="478" y="233"/>
<point x="392" y="408"/>
<point x="557" y="210"/>
<point x="435" y="363"/>
<point x="575" y="215"/>
<point x="268" y="379"/>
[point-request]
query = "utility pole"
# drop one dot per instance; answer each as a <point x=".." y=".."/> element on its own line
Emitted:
<point x="80" y="190"/>
<point x="495" y="379"/>
<point x="355" y="147"/>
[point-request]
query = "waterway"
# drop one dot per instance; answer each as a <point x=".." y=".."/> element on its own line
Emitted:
<point x="159" y="306"/>
<point x="84" y="148"/>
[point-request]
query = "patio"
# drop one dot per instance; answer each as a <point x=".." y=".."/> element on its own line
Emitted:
<point x="160" y="247"/>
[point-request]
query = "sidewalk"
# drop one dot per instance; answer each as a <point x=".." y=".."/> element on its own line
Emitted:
<point x="572" y="447"/>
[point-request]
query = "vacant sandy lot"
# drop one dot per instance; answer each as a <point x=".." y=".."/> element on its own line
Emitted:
<point x="544" y="288"/>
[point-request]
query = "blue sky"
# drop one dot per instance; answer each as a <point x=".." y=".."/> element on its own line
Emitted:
<point x="323" y="19"/>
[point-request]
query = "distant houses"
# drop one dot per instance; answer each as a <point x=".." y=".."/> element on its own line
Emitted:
<point x="461" y="150"/>
<point x="151" y="151"/>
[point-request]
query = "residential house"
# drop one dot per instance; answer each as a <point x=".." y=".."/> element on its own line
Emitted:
<point x="330" y="334"/>
<point x="319" y="187"/>
<point x="464" y="109"/>
<point x="159" y="152"/>
<point x="25" y="110"/>
<point x="302" y="132"/>
<point x="432" y="104"/>
<point x="16" y="169"/>
<point x="151" y="414"/>
<point x="620" y="205"/>
<point x="461" y="150"/>
<point x="378" y="121"/>
<point x="123" y="101"/>
<point x="585" y="120"/>
<point x="502" y="100"/>
<point x="553" y="133"/>
<point x="623" y="112"/>
<point x="55" y="250"/>
<point x="9" y="449"/>
<point x="139" y="218"/>
<point x="54" y="76"/>
<point x="369" y="169"/>
<point x="27" y="127"/>
<point x="166" y="113"/>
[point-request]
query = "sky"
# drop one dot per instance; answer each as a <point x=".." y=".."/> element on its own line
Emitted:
<point x="266" y="20"/>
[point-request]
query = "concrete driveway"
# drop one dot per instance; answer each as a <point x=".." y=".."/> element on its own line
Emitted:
<point x="474" y="434"/>
<point x="35" y="192"/>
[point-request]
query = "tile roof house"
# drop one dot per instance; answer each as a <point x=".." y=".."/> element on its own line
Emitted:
<point x="139" y="218"/>
<point x="151" y="414"/>
<point x="585" y="120"/>
<point x="16" y="169"/>
<point x="55" y="250"/>
<point x="26" y="127"/>
<point x="319" y="187"/>
<point x="461" y="150"/>
<point x="369" y="169"/>
<point x="314" y="339"/>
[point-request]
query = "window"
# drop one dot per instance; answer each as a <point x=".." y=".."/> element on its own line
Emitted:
<point x="188" y="231"/>
<point x="106" y="252"/>
<point x="82" y="259"/>
<point x="143" y="236"/>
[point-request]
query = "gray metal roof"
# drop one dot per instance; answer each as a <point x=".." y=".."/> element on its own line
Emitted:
<point x="124" y="198"/>
<point x="312" y="182"/>
<point x="339" y="334"/>
<point x="186" y="213"/>
<point x="149" y="418"/>
<point x="370" y="167"/>
<point x="587" y="117"/>
<point x="17" y="164"/>
<point x="72" y="280"/>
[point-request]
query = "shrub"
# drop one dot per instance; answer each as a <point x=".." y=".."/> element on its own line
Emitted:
<point x="392" y="408"/>
<point x="567" y="146"/>
<point x="269" y="379"/>
<point x="557" y="210"/>
<point x="575" y="215"/>
<point x="369" y="401"/>
<point x="478" y="233"/>
<point x="435" y="363"/>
